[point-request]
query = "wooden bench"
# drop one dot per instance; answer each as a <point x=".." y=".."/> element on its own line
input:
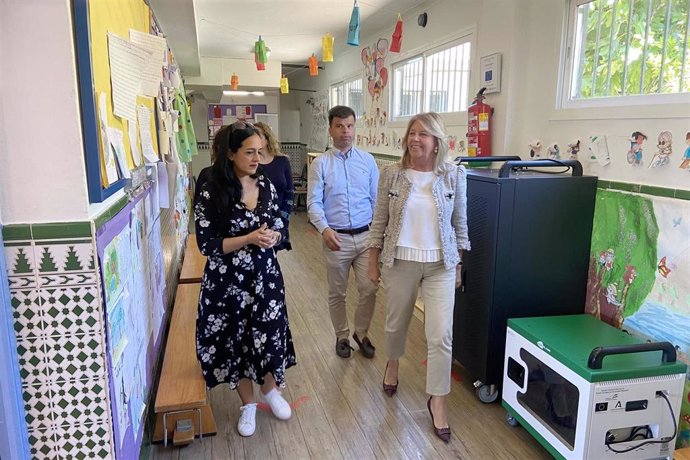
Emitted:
<point x="193" y="263"/>
<point x="182" y="392"/>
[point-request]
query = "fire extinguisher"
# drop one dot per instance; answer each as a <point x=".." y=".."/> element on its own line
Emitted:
<point x="479" y="127"/>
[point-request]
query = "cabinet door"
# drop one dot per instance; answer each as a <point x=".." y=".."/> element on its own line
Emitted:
<point x="474" y="302"/>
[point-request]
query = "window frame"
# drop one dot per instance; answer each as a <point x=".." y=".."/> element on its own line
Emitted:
<point x="566" y="76"/>
<point x="466" y="35"/>
<point x="347" y="80"/>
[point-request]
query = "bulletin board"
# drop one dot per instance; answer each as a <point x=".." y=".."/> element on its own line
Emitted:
<point x="224" y="114"/>
<point x="93" y="21"/>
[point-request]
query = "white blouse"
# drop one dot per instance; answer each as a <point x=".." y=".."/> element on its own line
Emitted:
<point x="420" y="233"/>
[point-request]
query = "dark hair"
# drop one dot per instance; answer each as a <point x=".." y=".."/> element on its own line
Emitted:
<point x="227" y="190"/>
<point x="340" y="111"/>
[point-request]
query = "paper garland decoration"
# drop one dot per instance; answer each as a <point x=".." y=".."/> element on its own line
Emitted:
<point x="284" y="85"/>
<point x="396" y="39"/>
<point x="313" y="66"/>
<point x="234" y="82"/>
<point x="259" y="65"/>
<point x="260" y="51"/>
<point x="353" y="35"/>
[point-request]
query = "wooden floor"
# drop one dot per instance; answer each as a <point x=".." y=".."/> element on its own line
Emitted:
<point x="340" y="410"/>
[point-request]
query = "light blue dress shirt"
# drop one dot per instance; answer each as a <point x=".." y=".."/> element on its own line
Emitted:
<point x="342" y="189"/>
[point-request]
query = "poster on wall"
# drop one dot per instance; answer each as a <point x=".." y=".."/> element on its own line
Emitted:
<point x="372" y="132"/>
<point x="223" y="114"/>
<point x="318" y="105"/>
<point x="639" y="275"/>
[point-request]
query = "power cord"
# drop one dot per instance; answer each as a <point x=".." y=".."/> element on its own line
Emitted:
<point x="660" y="441"/>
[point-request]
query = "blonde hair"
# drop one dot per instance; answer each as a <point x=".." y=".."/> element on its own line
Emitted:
<point x="433" y="124"/>
<point x="272" y="145"/>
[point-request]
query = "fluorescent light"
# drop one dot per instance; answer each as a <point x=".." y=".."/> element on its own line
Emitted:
<point x="242" y="93"/>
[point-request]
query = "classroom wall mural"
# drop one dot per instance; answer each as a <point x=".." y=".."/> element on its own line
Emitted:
<point x="372" y="132"/>
<point x="639" y="274"/>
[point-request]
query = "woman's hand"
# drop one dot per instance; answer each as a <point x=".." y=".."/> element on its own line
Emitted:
<point x="458" y="276"/>
<point x="374" y="274"/>
<point x="264" y="237"/>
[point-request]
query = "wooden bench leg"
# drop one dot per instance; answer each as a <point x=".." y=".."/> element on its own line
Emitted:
<point x="204" y="424"/>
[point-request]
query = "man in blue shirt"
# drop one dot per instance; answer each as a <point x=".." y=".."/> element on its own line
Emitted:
<point x="341" y="198"/>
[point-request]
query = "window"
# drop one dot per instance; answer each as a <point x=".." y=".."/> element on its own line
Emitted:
<point x="436" y="80"/>
<point x="627" y="48"/>
<point x="349" y="93"/>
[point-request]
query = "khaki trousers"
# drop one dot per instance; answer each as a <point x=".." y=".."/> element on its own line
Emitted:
<point x="438" y="290"/>
<point x="354" y="252"/>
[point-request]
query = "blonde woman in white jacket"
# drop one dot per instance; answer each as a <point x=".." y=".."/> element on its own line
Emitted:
<point x="417" y="236"/>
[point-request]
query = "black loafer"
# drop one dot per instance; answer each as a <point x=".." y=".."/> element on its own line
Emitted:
<point x="343" y="348"/>
<point x="365" y="346"/>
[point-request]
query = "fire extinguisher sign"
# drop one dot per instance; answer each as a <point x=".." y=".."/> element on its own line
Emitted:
<point x="483" y="121"/>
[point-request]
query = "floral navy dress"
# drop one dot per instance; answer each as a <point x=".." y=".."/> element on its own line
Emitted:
<point x="242" y="326"/>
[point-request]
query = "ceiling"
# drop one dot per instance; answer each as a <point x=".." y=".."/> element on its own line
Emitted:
<point x="292" y="29"/>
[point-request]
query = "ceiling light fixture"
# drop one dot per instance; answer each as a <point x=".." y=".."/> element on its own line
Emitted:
<point x="242" y="93"/>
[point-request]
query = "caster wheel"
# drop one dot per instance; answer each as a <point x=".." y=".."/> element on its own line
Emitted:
<point x="512" y="421"/>
<point x="487" y="393"/>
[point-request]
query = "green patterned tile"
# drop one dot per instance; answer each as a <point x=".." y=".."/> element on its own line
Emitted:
<point x="78" y="401"/>
<point x="15" y="232"/>
<point x="61" y="230"/>
<point x="20" y="260"/>
<point x="43" y="445"/>
<point x="33" y="367"/>
<point x="84" y="441"/>
<point x="71" y="310"/>
<point x="26" y="312"/>
<point x="37" y="408"/>
<point x="63" y="257"/>
<point x="75" y="357"/>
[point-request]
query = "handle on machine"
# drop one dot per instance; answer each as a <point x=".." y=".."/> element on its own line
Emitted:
<point x="596" y="357"/>
<point x="507" y="167"/>
<point x="486" y="159"/>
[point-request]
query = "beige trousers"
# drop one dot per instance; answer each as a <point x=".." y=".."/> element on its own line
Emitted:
<point x="353" y="253"/>
<point x="438" y="290"/>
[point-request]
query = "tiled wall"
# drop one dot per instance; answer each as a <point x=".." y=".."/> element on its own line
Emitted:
<point x="58" y="320"/>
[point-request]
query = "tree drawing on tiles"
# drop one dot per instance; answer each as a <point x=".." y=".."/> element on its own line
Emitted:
<point x="72" y="261"/>
<point x="47" y="262"/>
<point x="21" y="264"/>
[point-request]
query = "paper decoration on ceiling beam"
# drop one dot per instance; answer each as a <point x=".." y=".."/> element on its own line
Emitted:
<point x="234" y="82"/>
<point x="260" y="50"/>
<point x="396" y="39"/>
<point x="259" y="65"/>
<point x="353" y="35"/>
<point x="284" y="85"/>
<point x="313" y="66"/>
<point x="327" y="44"/>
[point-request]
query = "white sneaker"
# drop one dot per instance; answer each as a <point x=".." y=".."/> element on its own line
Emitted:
<point x="279" y="406"/>
<point x="246" y="425"/>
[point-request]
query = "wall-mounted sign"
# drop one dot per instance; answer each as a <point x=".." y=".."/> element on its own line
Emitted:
<point x="490" y="73"/>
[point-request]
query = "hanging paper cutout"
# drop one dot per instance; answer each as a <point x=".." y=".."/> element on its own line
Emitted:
<point x="327" y="44"/>
<point x="234" y="82"/>
<point x="313" y="66"/>
<point x="353" y="35"/>
<point x="573" y="149"/>
<point x="259" y="65"/>
<point x="599" y="149"/>
<point x="396" y="39"/>
<point x="260" y="51"/>
<point x="535" y="149"/>
<point x="284" y="86"/>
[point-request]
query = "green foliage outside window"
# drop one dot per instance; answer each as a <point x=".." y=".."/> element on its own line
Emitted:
<point x="629" y="47"/>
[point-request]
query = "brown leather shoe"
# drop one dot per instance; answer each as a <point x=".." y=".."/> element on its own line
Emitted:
<point x="343" y="348"/>
<point x="441" y="433"/>
<point x="389" y="389"/>
<point x="365" y="346"/>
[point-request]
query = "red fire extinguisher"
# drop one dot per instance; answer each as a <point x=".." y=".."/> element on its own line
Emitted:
<point x="479" y="127"/>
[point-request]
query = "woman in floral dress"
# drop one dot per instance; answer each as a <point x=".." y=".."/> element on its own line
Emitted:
<point x="242" y="327"/>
